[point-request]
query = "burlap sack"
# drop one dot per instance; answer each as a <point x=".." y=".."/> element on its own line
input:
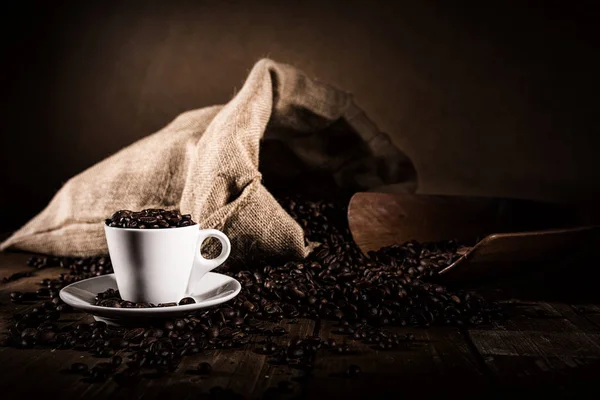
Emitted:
<point x="206" y="163"/>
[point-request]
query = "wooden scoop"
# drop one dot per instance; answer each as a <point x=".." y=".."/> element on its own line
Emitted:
<point x="507" y="232"/>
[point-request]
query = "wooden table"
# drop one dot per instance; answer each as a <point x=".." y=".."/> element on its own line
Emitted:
<point x="545" y="348"/>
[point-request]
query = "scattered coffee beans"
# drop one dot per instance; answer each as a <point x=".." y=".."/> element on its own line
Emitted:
<point x="204" y="368"/>
<point x="151" y="218"/>
<point x="394" y="286"/>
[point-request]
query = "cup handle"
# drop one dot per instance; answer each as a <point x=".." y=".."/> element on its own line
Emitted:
<point x="203" y="265"/>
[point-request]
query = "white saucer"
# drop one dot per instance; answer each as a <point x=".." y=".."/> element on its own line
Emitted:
<point x="214" y="289"/>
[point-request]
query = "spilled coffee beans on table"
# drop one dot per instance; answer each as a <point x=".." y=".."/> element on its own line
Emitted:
<point x="365" y="294"/>
<point x="151" y="218"/>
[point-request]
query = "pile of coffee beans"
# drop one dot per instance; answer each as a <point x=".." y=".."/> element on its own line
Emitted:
<point x="364" y="294"/>
<point x="151" y="218"/>
<point x="112" y="298"/>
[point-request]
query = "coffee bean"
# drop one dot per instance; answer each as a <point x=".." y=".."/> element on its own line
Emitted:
<point x="79" y="368"/>
<point x="29" y="333"/>
<point x="154" y="333"/>
<point x="63" y="308"/>
<point x="353" y="371"/>
<point x="16" y="297"/>
<point x="213" y="332"/>
<point x="46" y="336"/>
<point x="147" y="341"/>
<point x="180" y="324"/>
<point x="269" y="348"/>
<point x="169" y="325"/>
<point x="295" y="352"/>
<point x="134" y="335"/>
<point x="250" y="307"/>
<point x="186" y="300"/>
<point x="204" y="368"/>
<point x="110" y="303"/>
<point x="116" y="361"/>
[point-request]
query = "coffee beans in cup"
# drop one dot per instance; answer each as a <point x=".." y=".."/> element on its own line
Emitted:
<point x="150" y="218"/>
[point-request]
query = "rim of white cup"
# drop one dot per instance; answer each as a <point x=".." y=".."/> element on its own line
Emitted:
<point x="150" y="229"/>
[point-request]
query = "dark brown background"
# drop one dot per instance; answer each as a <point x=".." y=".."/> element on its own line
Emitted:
<point x="495" y="100"/>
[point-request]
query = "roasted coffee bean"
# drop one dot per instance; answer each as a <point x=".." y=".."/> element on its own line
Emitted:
<point x="353" y="371"/>
<point x="154" y="333"/>
<point x="295" y="352"/>
<point x="79" y="368"/>
<point x="186" y="300"/>
<point x="29" y="333"/>
<point x="249" y="306"/>
<point x="204" y="368"/>
<point x="16" y="296"/>
<point x="269" y="348"/>
<point x="169" y="325"/>
<point x="213" y="332"/>
<point x="135" y="335"/>
<point x="167" y="304"/>
<point x="179" y="324"/>
<point x="147" y="341"/>
<point x="63" y="308"/>
<point x="228" y="313"/>
<point x="117" y="343"/>
<point x="46" y="337"/>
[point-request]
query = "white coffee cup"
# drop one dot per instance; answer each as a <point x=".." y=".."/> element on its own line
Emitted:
<point x="161" y="265"/>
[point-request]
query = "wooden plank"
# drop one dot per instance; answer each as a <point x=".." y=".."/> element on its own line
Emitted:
<point x="537" y="316"/>
<point x="243" y="371"/>
<point x="581" y="319"/>
<point x="539" y="350"/>
<point x="436" y="355"/>
<point x="536" y="344"/>
<point x="383" y="219"/>
<point x="591" y="312"/>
